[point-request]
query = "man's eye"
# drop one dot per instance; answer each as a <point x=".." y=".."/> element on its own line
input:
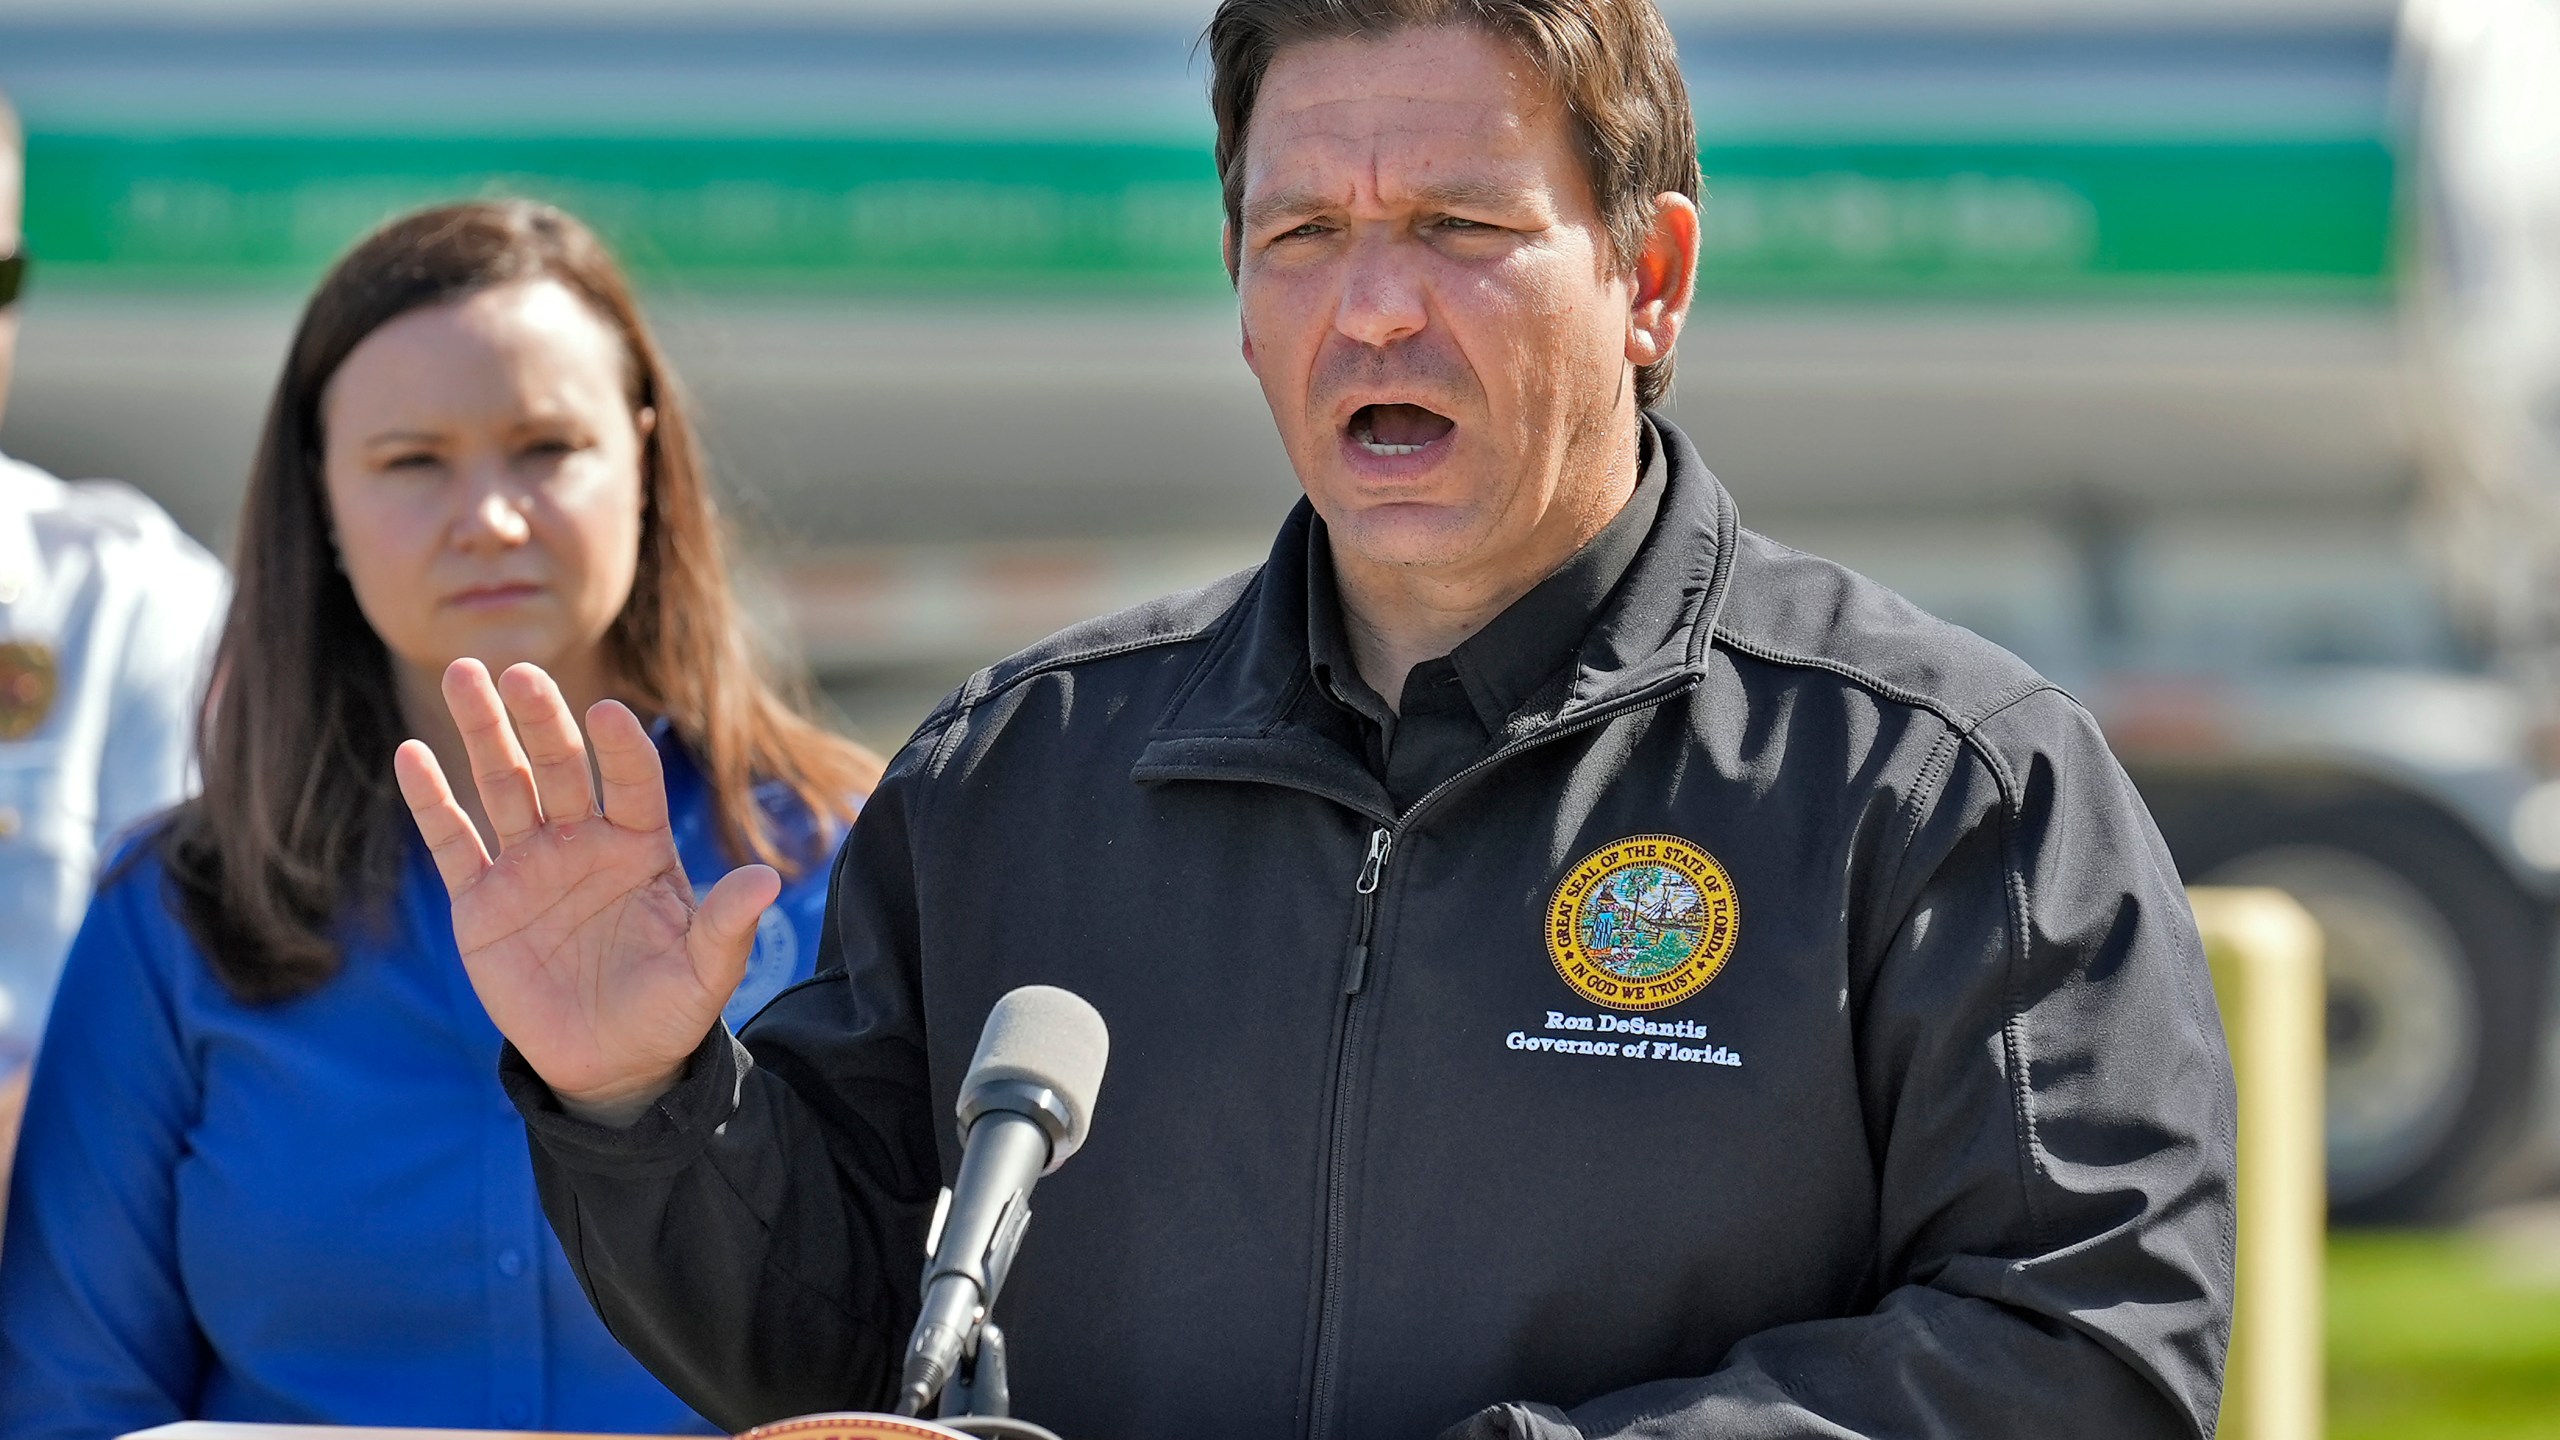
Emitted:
<point x="415" y="460"/>
<point x="1311" y="228"/>
<point x="1460" y="222"/>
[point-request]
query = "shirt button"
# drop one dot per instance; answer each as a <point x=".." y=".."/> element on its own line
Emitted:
<point x="514" y="1413"/>
<point x="511" y="1263"/>
<point x="8" y="821"/>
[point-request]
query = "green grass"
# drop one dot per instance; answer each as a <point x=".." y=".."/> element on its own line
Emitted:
<point x="2441" y="1337"/>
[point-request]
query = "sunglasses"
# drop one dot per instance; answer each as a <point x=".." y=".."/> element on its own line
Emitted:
<point x="13" y="277"/>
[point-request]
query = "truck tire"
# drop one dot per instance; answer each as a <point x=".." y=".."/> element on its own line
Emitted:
<point x="2437" y="967"/>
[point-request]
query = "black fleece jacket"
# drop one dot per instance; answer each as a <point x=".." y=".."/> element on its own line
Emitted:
<point x="1792" y="1027"/>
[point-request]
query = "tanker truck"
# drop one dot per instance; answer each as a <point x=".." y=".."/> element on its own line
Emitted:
<point x="2201" y="353"/>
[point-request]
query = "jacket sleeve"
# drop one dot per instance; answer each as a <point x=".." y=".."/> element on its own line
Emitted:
<point x="757" y="1238"/>
<point x="96" y="1333"/>
<point x="2048" y="1098"/>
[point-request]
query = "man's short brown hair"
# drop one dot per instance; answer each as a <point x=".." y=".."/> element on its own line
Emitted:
<point x="1613" y="61"/>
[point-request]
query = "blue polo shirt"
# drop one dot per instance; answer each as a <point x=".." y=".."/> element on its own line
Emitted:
<point x="313" y="1211"/>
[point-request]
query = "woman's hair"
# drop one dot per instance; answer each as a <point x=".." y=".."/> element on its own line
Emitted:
<point x="300" y="827"/>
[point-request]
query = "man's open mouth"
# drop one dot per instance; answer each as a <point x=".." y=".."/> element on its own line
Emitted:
<point x="1397" y="429"/>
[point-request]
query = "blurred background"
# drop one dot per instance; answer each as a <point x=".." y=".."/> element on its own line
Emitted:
<point x="2204" y="352"/>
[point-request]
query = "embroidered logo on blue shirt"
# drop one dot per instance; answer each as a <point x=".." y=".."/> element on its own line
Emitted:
<point x="777" y="954"/>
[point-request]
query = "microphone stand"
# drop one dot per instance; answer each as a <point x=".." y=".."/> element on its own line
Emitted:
<point x="982" y="1388"/>
<point x="980" y="1400"/>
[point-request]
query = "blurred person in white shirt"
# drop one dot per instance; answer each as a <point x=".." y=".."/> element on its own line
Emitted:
<point x="107" y="615"/>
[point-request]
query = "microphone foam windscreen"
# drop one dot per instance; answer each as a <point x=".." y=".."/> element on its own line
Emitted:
<point x="1042" y="1035"/>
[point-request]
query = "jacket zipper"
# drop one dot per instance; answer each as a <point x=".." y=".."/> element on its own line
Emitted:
<point x="1356" y="974"/>
<point x="1355" y="980"/>
<point x="1337" y="1198"/>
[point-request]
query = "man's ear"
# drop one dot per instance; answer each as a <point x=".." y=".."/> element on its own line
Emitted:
<point x="1666" y="277"/>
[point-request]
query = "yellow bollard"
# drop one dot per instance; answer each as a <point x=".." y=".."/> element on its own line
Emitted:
<point x="2265" y="953"/>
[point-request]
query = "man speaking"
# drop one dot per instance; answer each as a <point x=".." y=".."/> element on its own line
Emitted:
<point x="1574" y="968"/>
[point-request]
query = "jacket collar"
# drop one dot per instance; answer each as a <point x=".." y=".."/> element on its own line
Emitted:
<point x="1232" y="718"/>
<point x="1503" y="666"/>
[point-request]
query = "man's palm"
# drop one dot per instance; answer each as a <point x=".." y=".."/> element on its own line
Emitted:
<point x="582" y="936"/>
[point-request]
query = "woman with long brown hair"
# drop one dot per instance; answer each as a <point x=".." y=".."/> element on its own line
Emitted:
<point x="267" y="1171"/>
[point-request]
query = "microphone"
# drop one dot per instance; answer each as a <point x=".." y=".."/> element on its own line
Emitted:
<point x="1025" y="1106"/>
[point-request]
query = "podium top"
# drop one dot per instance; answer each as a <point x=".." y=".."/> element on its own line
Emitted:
<point x="236" y="1431"/>
<point x="840" y="1426"/>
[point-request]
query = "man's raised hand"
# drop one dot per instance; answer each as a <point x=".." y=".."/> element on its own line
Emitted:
<point x="582" y="936"/>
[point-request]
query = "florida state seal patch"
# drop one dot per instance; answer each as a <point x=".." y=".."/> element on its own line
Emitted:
<point x="1643" y="922"/>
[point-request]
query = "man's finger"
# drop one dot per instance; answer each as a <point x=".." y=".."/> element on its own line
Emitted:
<point x="635" y="783"/>
<point x="498" y="765"/>
<point x="549" y="734"/>
<point x="724" y="928"/>
<point x="459" y="855"/>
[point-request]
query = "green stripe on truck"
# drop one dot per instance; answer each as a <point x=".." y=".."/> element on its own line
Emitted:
<point x="942" y="216"/>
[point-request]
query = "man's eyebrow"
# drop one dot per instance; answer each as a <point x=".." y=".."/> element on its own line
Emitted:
<point x="1465" y="194"/>
<point x="1457" y="193"/>
<point x="1262" y="210"/>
